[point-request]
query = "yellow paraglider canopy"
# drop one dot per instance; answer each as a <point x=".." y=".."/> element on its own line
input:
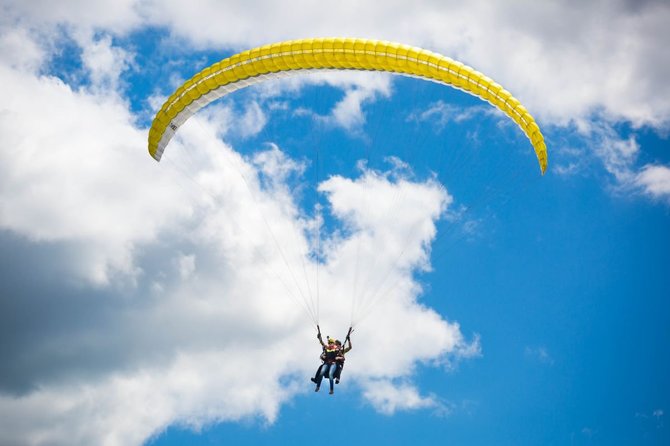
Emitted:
<point x="295" y="56"/>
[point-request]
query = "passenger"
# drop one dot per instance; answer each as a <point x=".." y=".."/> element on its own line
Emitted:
<point x="339" y="360"/>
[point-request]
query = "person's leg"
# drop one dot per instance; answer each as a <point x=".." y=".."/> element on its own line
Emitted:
<point x="338" y="372"/>
<point x="331" y="376"/>
<point x="316" y="375"/>
<point x="323" y="372"/>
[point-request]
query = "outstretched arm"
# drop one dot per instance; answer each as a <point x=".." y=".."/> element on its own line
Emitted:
<point x="318" y="336"/>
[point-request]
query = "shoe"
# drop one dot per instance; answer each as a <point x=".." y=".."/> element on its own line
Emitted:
<point x="313" y="380"/>
<point x="337" y="381"/>
<point x="331" y="392"/>
<point x="317" y="388"/>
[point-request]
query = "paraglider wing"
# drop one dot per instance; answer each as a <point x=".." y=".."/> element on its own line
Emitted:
<point x="297" y="56"/>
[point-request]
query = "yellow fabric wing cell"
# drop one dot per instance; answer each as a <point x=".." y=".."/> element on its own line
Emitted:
<point x="270" y="61"/>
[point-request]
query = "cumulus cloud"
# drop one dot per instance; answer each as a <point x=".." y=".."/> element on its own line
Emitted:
<point x="19" y="50"/>
<point x="160" y="285"/>
<point x="179" y="352"/>
<point x="104" y="61"/>
<point x="388" y="398"/>
<point x="149" y="309"/>
<point x="117" y="16"/>
<point x="609" y="66"/>
<point x="655" y="180"/>
<point x="348" y="112"/>
<point x="611" y="58"/>
<point x="128" y="409"/>
<point x="58" y="146"/>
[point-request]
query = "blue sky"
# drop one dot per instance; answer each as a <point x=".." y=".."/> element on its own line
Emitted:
<point x="162" y="303"/>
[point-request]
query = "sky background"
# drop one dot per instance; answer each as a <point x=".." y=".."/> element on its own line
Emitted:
<point x="146" y="303"/>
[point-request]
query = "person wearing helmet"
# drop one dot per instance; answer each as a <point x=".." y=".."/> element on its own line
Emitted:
<point x="329" y="358"/>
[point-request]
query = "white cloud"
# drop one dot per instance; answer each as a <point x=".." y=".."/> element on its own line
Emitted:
<point x="369" y="201"/>
<point x="566" y="170"/>
<point x="360" y="88"/>
<point x="609" y="66"/>
<point x="19" y="50"/>
<point x="441" y="113"/>
<point x="104" y="61"/>
<point x="112" y="15"/>
<point x="276" y="165"/>
<point x="186" y="265"/>
<point x="196" y="388"/>
<point x="464" y="350"/>
<point x="618" y="154"/>
<point x="247" y="122"/>
<point x="72" y="171"/>
<point x="389" y="398"/>
<point x="655" y="180"/>
<point x="253" y="120"/>
<point x="610" y="57"/>
<point x="220" y="114"/>
<point x="599" y="142"/>
<point x="194" y="231"/>
<point x="348" y="112"/>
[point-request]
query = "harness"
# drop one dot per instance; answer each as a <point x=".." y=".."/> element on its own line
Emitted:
<point x="331" y="354"/>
